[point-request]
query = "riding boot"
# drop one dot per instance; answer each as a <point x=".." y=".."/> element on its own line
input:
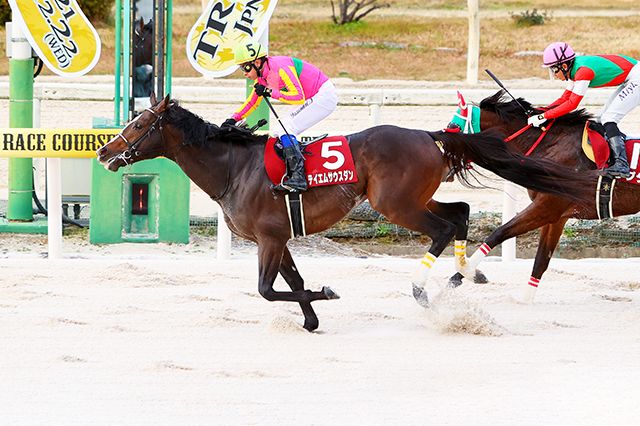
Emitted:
<point x="297" y="180"/>
<point x="620" y="167"/>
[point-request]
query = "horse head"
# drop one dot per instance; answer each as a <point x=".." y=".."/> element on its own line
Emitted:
<point x="143" y="43"/>
<point x="143" y="138"/>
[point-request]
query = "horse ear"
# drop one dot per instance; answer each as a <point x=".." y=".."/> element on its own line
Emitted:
<point x="167" y="99"/>
<point x="152" y="98"/>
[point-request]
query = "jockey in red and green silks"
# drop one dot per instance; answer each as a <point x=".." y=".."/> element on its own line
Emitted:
<point x="582" y="72"/>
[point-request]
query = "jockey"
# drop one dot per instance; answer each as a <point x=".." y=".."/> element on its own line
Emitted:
<point x="310" y="92"/>
<point x="583" y="72"/>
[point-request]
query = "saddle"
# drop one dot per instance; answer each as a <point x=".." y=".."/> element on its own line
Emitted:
<point x="596" y="148"/>
<point x="594" y="144"/>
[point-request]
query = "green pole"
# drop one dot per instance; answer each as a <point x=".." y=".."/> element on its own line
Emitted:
<point x="169" y="47"/>
<point x="19" y="205"/>
<point x="262" y="111"/>
<point x="118" y="70"/>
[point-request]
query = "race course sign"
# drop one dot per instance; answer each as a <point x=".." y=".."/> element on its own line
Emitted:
<point x="61" y="35"/>
<point x="222" y="26"/>
<point x="53" y="143"/>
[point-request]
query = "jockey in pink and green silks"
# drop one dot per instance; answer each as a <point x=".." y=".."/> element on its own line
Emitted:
<point x="582" y="72"/>
<point x="293" y="81"/>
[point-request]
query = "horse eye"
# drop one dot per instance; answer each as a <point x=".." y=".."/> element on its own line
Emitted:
<point x="137" y="127"/>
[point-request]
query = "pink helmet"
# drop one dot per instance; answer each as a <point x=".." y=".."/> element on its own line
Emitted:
<point x="557" y="53"/>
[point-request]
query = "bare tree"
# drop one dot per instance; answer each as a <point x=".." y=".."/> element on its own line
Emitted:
<point x="360" y="10"/>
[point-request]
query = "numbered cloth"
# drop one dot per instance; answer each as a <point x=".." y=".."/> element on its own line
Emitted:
<point x="328" y="162"/>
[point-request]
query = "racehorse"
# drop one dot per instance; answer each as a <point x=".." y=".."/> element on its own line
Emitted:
<point x="143" y="55"/>
<point x="561" y="144"/>
<point x="398" y="170"/>
<point x="142" y="43"/>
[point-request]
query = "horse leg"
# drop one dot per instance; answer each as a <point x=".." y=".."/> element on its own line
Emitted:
<point x="291" y="275"/>
<point x="458" y="214"/>
<point x="536" y="214"/>
<point x="549" y="237"/>
<point x="270" y="257"/>
<point x="440" y="231"/>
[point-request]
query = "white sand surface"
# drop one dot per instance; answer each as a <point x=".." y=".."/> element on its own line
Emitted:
<point x="172" y="336"/>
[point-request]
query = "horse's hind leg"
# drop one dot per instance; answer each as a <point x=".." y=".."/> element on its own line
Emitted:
<point x="291" y="275"/>
<point x="440" y="231"/>
<point x="458" y="214"/>
<point x="549" y="237"/>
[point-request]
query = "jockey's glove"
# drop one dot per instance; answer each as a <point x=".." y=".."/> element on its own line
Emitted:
<point x="228" y="122"/>
<point x="536" y="120"/>
<point x="262" y="90"/>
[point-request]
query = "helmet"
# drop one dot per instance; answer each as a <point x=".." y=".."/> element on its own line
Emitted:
<point x="557" y="53"/>
<point x="249" y="50"/>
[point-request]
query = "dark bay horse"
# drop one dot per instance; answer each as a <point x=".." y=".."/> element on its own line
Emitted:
<point x="562" y="144"/>
<point x="398" y="170"/>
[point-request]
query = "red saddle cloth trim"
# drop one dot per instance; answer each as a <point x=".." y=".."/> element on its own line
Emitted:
<point x="600" y="147"/>
<point x="633" y="155"/>
<point x="601" y="154"/>
<point x="330" y="162"/>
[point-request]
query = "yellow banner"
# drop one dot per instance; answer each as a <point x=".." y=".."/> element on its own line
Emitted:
<point x="53" y="143"/>
<point x="212" y="41"/>
<point x="59" y="33"/>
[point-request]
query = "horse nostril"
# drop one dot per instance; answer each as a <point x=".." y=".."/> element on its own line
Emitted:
<point x="102" y="151"/>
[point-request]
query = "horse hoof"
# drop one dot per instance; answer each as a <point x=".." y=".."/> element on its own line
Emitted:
<point x="421" y="296"/>
<point x="330" y="294"/>
<point x="480" y="278"/>
<point x="310" y="324"/>
<point x="455" y="281"/>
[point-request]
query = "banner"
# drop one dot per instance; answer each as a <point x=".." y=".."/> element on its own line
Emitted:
<point x="54" y="143"/>
<point x="212" y="41"/>
<point x="60" y="34"/>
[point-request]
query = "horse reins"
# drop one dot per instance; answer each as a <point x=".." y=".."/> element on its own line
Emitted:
<point x="521" y="131"/>
<point x="226" y="186"/>
<point x="132" y="151"/>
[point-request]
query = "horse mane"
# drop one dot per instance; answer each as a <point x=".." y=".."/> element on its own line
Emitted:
<point x="199" y="132"/>
<point x="509" y="110"/>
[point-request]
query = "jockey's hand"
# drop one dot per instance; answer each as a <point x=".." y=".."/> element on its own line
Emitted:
<point x="536" y="120"/>
<point x="228" y="123"/>
<point x="262" y="90"/>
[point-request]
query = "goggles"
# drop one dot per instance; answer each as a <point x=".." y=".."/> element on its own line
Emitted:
<point x="246" y="67"/>
<point x="555" y="68"/>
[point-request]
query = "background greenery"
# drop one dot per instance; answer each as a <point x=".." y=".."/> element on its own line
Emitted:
<point x="399" y="43"/>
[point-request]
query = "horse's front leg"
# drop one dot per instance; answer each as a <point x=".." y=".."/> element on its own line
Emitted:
<point x="549" y="237"/>
<point x="534" y="216"/>
<point x="458" y="214"/>
<point x="271" y="253"/>
<point x="293" y="278"/>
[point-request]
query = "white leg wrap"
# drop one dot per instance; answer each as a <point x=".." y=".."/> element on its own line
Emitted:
<point x="530" y="291"/>
<point x="422" y="273"/>
<point x="467" y="267"/>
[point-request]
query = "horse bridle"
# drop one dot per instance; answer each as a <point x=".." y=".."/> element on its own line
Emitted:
<point x="128" y="155"/>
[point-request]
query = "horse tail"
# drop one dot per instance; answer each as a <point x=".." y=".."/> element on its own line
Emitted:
<point x="489" y="151"/>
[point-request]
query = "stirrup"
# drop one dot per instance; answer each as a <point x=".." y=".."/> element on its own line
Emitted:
<point x="282" y="186"/>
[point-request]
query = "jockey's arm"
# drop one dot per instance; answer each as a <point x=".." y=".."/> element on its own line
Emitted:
<point x="248" y="107"/>
<point x="294" y="94"/>
<point x="569" y="100"/>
